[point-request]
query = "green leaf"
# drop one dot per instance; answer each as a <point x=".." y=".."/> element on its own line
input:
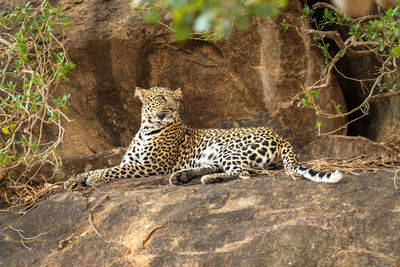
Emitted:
<point x="84" y="233"/>
<point x="5" y="130"/>
<point x="182" y="33"/>
<point x="396" y="50"/>
<point x="152" y="16"/>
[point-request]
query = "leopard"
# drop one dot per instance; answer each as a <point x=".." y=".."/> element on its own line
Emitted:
<point x="165" y="145"/>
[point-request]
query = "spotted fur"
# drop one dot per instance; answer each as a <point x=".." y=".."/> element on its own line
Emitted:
<point x="164" y="145"/>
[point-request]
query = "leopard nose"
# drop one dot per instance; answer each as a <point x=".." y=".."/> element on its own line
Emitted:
<point x="160" y="115"/>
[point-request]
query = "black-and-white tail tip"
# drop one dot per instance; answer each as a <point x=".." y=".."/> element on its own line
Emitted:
<point x="320" y="177"/>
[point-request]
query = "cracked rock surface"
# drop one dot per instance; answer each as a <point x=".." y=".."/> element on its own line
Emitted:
<point x="257" y="222"/>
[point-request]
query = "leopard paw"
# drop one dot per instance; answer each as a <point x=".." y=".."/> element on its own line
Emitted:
<point x="210" y="179"/>
<point x="179" y="177"/>
<point x="81" y="178"/>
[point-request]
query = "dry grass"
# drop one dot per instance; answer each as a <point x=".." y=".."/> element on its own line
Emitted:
<point x="351" y="166"/>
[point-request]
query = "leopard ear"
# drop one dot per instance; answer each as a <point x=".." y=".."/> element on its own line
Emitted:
<point x="140" y="93"/>
<point x="178" y="93"/>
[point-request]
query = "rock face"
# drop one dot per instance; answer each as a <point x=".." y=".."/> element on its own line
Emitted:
<point x="257" y="222"/>
<point x="383" y="121"/>
<point x="385" y="124"/>
<point x="347" y="147"/>
<point x="147" y="222"/>
<point x="258" y="70"/>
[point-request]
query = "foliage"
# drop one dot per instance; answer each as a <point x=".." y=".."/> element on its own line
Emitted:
<point x="32" y="64"/>
<point x="377" y="36"/>
<point x="205" y="16"/>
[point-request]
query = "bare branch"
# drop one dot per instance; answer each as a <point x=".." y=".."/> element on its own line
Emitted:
<point x="384" y="95"/>
<point x="335" y="36"/>
<point x="4" y="42"/>
<point x="25" y="238"/>
<point x="344" y="126"/>
<point x="326" y="5"/>
<point x="105" y="197"/>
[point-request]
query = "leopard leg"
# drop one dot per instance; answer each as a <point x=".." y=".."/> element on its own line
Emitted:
<point x="81" y="178"/>
<point x="184" y="176"/>
<point x="95" y="177"/>
<point x="223" y="177"/>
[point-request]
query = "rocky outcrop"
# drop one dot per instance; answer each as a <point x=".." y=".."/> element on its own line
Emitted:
<point x="257" y="222"/>
<point x="147" y="222"/>
<point x="264" y="221"/>
<point x="347" y="147"/>
<point x="383" y="121"/>
<point x="257" y="70"/>
<point x="385" y="117"/>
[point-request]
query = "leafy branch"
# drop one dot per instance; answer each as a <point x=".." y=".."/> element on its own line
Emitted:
<point x="378" y="36"/>
<point x="210" y="17"/>
<point x="33" y="62"/>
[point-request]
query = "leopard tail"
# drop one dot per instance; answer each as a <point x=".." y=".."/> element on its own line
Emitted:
<point x="292" y="167"/>
<point x="321" y="177"/>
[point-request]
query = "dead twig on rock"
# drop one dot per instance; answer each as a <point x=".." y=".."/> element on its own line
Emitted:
<point x="104" y="198"/>
<point x="24" y="237"/>
<point x="270" y="173"/>
<point x="74" y="236"/>
<point x="394" y="178"/>
<point x="28" y="195"/>
<point x="70" y="239"/>
<point x="151" y="233"/>
<point x="93" y="227"/>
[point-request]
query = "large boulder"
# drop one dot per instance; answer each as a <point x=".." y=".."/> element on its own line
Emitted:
<point x="341" y="147"/>
<point x="258" y="70"/>
<point x="257" y="222"/>
<point x="384" y="120"/>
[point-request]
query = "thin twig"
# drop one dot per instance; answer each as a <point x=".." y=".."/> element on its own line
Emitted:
<point x="389" y="94"/>
<point x="93" y="227"/>
<point x="323" y="5"/>
<point x="105" y="197"/>
<point x="335" y="36"/>
<point x="344" y="126"/>
<point x="6" y="43"/>
<point x="26" y="238"/>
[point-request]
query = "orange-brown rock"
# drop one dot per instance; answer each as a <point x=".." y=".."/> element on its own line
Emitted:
<point x="347" y="147"/>
<point x="258" y="70"/>
<point x="257" y="222"/>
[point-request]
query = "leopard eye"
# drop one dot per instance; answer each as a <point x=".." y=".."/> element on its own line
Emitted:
<point x="161" y="97"/>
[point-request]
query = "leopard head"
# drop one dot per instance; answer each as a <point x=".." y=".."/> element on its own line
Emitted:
<point x="160" y="105"/>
